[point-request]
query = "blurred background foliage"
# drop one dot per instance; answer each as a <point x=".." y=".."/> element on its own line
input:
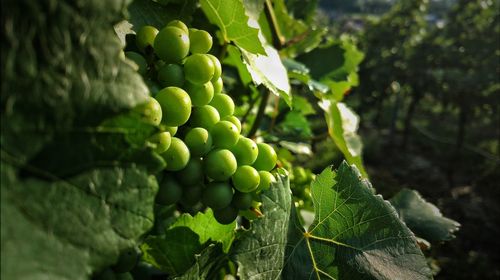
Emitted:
<point x="429" y="104"/>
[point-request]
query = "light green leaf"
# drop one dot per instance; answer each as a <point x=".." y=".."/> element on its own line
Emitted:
<point x="207" y="228"/>
<point x="422" y="217"/>
<point x="174" y="251"/>
<point x="358" y="235"/>
<point x="269" y="71"/>
<point x="230" y="17"/>
<point x="342" y="126"/>
<point x="234" y="59"/>
<point x="295" y="124"/>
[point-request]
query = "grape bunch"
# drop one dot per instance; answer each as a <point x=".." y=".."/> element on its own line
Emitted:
<point x="208" y="162"/>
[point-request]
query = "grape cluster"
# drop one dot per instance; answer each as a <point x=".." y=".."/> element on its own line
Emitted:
<point x="208" y="162"/>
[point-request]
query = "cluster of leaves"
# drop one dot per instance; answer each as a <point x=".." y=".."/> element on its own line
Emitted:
<point x="79" y="192"/>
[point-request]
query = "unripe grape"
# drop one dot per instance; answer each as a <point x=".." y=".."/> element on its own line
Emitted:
<point x="245" y="151"/>
<point x="171" y="75"/>
<point x="149" y="112"/>
<point x="192" y="174"/>
<point x="161" y="141"/>
<point x="266" y="159"/>
<point x="220" y="164"/>
<point x="224" y="104"/>
<point x="200" y="94"/>
<point x="146" y="37"/>
<point x="200" y="41"/>
<point x="169" y="192"/>
<point x="171" y="129"/>
<point x="171" y="44"/>
<point x="234" y="120"/>
<point x="218" y="85"/>
<point x="179" y="24"/>
<point x="175" y="105"/>
<point x="177" y="156"/>
<point x="242" y="200"/>
<point x="192" y="194"/>
<point x="266" y="179"/>
<point x="140" y="63"/>
<point x="224" y="134"/>
<point x="217" y="195"/>
<point x="199" y="141"/>
<point x="204" y="116"/>
<point x="198" y="68"/>
<point x="217" y="67"/>
<point x="246" y="179"/>
<point x="226" y="215"/>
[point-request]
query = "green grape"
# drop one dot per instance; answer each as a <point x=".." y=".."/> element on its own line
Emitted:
<point x="200" y="94"/>
<point x="198" y="68"/>
<point x="204" y="116"/>
<point x="200" y="41"/>
<point x="242" y="200"/>
<point x="246" y="179"/>
<point x="171" y="75"/>
<point x="149" y="112"/>
<point x="266" y="179"/>
<point x="217" y="67"/>
<point x="226" y="215"/>
<point x="140" y="63"/>
<point x="169" y="192"/>
<point x="217" y="195"/>
<point x="146" y="37"/>
<point x="175" y="105"/>
<point x="171" y="44"/>
<point x="224" y="104"/>
<point x="192" y="194"/>
<point x="299" y="174"/>
<point x="220" y="164"/>
<point x="266" y="159"/>
<point x="199" y="141"/>
<point x="161" y="141"/>
<point x="234" y="120"/>
<point x="245" y="151"/>
<point x="224" y="134"/>
<point x="171" y="129"/>
<point x="177" y="156"/>
<point x="179" y="24"/>
<point x="218" y="85"/>
<point x="127" y="260"/>
<point x="192" y="173"/>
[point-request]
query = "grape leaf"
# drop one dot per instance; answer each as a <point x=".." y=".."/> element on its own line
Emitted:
<point x="342" y="127"/>
<point x="147" y="12"/>
<point x="358" y="235"/>
<point x="83" y="221"/>
<point x="174" y="251"/>
<point x="230" y="17"/>
<point x="260" y="251"/>
<point x="63" y="202"/>
<point x="269" y="71"/>
<point x="206" y="265"/>
<point x="422" y="217"/>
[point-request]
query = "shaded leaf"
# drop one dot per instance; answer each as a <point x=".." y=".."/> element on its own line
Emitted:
<point x="422" y="217"/>
<point x="230" y="17"/>
<point x="206" y="265"/>
<point x="147" y="12"/>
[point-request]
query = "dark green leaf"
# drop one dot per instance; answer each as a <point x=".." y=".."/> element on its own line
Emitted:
<point x="230" y="17"/>
<point x="422" y="217"/>
<point x="147" y="12"/>
<point x="206" y="264"/>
